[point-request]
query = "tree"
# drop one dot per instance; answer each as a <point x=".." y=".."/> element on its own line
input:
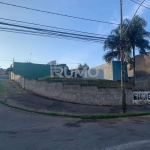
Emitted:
<point x="135" y="37"/>
<point x="112" y="44"/>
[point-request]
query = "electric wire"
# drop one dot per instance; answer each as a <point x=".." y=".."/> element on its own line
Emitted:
<point x="45" y="30"/>
<point x="19" y="30"/>
<point x="53" y="13"/>
<point x="77" y="39"/>
<point x="133" y="17"/>
<point x="18" y="21"/>
<point x="144" y="4"/>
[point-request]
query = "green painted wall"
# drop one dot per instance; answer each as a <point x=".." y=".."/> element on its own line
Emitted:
<point x="30" y="70"/>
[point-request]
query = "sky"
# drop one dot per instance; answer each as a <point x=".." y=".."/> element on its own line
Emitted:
<point x="45" y="49"/>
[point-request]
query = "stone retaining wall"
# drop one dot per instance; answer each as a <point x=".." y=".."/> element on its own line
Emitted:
<point x="91" y="95"/>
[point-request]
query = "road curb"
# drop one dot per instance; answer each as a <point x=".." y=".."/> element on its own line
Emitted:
<point x="97" y="116"/>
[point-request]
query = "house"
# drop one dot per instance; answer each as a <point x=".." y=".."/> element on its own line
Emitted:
<point x="3" y="71"/>
<point x="106" y="71"/>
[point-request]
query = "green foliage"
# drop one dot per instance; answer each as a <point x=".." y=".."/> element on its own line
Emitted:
<point x="2" y="88"/>
<point x="98" y="116"/>
<point x="87" y="82"/>
<point x="48" y="78"/>
<point x="136" y="34"/>
<point x="130" y="63"/>
<point x="135" y="37"/>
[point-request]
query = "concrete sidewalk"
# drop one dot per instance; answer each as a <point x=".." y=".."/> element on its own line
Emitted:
<point x="16" y="96"/>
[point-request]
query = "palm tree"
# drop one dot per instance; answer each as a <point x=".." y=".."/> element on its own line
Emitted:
<point x="135" y="37"/>
<point x="112" y="44"/>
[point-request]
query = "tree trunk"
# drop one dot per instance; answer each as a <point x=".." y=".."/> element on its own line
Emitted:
<point x="134" y="76"/>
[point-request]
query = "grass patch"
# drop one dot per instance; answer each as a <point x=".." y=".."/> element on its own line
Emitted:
<point x="87" y="82"/>
<point x="2" y="88"/>
<point x="98" y="116"/>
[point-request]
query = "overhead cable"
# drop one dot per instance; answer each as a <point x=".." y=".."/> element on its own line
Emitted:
<point x="53" y="13"/>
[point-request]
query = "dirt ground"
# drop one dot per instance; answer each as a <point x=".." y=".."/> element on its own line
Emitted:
<point x="16" y="96"/>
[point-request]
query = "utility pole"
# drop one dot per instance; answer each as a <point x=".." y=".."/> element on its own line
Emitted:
<point x="13" y="62"/>
<point x="122" y="65"/>
<point x="30" y="57"/>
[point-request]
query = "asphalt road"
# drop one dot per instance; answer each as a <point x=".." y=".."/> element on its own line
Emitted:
<point x="27" y="131"/>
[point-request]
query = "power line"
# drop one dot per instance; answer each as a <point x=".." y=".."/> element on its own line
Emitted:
<point x="6" y="57"/>
<point x="144" y="4"/>
<point x="12" y="60"/>
<point x="3" y="66"/>
<point x="48" y="33"/>
<point x="35" y="61"/>
<point x="5" y="60"/>
<point x="84" y="40"/>
<point x="45" y="30"/>
<point x="39" y="62"/>
<point x="140" y="2"/>
<point x="51" y="36"/>
<point x="51" y="26"/>
<point x="53" y="13"/>
<point x="41" y="33"/>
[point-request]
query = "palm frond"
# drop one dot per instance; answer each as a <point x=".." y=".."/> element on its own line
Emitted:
<point x="111" y="55"/>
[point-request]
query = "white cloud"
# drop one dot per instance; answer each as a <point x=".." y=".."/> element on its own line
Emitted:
<point x="134" y="9"/>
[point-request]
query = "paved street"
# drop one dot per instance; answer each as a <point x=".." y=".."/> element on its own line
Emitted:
<point x="27" y="131"/>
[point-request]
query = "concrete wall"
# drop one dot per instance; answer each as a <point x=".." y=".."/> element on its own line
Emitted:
<point x="142" y="65"/>
<point x="141" y="97"/>
<point x="106" y="71"/>
<point x="19" y="80"/>
<point x="142" y="83"/>
<point x="11" y="75"/>
<point x="4" y="76"/>
<point x="103" y="72"/>
<point x="91" y="95"/>
<point x="142" y="69"/>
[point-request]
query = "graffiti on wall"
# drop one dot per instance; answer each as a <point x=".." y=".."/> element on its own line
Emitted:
<point x="141" y="95"/>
